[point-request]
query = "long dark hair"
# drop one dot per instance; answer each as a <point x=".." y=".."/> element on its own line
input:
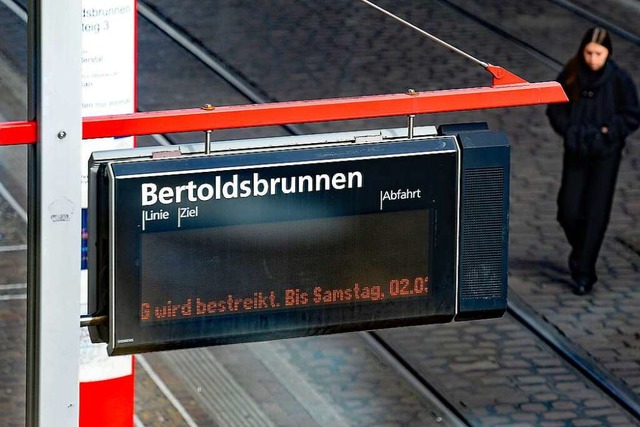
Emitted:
<point x="594" y="35"/>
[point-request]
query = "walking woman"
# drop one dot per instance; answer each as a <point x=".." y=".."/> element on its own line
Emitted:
<point x="602" y="111"/>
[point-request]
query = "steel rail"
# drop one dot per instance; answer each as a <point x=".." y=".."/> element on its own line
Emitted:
<point x="546" y="59"/>
<point x="574" y="355"/>
<point x="584" y="13"/>
<point x="447" y="412"/>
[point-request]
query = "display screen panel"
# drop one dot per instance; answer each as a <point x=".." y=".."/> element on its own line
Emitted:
<point x="237" y="248"/>
<point x="347" y="260"/>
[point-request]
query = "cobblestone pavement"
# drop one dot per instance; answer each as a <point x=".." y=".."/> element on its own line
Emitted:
<point x="304" y="50"/>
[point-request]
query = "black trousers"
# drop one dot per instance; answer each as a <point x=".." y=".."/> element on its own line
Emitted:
<point x="584" y="208"/>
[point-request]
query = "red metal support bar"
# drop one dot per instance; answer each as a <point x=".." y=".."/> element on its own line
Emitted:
<point x="508" y="91"/>
<point x="12" y="133"/>
<point x="280" y="113"/>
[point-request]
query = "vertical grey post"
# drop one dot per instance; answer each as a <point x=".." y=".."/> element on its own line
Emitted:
<point x="207" y="142"/>
<point x="53" y="343"/>
<point x="410" y="125"/>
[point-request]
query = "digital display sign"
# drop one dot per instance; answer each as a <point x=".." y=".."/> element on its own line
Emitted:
<point x="273" y="243"/>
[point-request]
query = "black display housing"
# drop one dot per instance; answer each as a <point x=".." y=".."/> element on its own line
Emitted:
<point x="287" y="239"/>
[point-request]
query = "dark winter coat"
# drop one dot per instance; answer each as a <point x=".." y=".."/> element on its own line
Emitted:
<point x="603" y="98"/>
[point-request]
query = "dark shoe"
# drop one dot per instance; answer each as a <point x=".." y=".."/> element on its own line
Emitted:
<point x="582" y="287"/>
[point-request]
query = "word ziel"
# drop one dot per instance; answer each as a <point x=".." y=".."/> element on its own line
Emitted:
<point x="184" y="213"/>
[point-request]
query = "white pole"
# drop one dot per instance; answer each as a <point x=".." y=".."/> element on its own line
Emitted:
<point x="55" y="48"/>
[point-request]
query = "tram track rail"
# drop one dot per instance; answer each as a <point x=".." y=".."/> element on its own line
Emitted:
<point x="597" y="20"/>
<point x="573" y="354"/>
<point x="540" y="55"/>
<point x="447" y="412"/>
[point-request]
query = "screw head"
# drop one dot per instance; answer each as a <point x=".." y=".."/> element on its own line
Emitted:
<point x="412" y="92"/>
<point x="208" y="107"/>
<point x="62" y="134"/>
